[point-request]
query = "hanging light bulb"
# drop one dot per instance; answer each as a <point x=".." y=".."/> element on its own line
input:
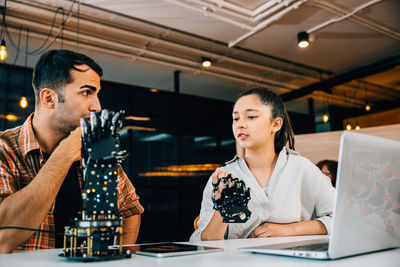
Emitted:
<point x="3" y="50"/>
<point x="357" y="127"/>
<point x="325" y="118"/>
<point x="23" y="102"/>
<point x="348" y="126"/>
<point x="367" y="107"/>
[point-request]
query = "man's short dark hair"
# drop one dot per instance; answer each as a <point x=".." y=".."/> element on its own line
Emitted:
<point x="53" y="70"/>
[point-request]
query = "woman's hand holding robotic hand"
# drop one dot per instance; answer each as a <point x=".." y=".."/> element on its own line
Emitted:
<point x="230" y="197"/>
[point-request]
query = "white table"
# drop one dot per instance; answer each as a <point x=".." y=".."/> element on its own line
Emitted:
<point x="230" y="257"/>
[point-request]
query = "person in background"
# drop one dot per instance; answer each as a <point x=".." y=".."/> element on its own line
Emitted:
<point x="289" y="194"/>
<point x="40" y="161"/>
<point x="329" y="168"/>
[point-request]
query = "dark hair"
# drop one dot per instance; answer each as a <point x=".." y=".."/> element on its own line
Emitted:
<point x="285" y="134"/>
<point x="53" y="70"/>
<point x="332" y="167"/>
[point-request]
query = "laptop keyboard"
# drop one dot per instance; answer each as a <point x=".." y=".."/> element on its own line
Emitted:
<point x="311" y="247"/>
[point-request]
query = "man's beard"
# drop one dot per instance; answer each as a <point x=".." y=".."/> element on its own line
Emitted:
<point x="64" y="122"/>
<point x="62" y="125"/>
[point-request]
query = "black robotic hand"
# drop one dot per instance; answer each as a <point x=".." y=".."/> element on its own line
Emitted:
<point x="101" y="221"/>
<point x="101" y="153"/>
<point x="100" y="139"/>
<point x="233" y="201"/>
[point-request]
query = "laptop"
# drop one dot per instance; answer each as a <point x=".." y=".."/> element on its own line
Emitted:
<point x="366" y="215"/>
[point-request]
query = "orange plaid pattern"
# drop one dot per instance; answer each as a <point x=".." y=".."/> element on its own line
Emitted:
<point x="20" y="161"/>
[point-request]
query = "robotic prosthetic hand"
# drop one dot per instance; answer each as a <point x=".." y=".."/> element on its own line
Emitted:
<point x="233" y="201"/>
<point x="101" y="154"/>
<point x="91" y="237"/>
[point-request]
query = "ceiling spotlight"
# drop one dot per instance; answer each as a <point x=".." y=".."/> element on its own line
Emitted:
<point x="206" y="62"/>
<point x="302" y="40"/>
<point x="325" y="118"/>
<point x="3" y="50"/>
<point x="348" y="126"/>
<point x="367" y="107"/>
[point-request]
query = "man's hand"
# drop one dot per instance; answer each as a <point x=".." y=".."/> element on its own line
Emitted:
<point x="71" y="146"/>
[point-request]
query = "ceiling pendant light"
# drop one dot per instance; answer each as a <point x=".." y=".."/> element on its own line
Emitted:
<point x="357" y="127"/>
<point x="3" y="50"/>
<point x="325" y="118"/>
<point x="367" y="107"/>
<point x="348" y="126"/>
<point x="23" y="102"/>
<point x="302" y="40"/>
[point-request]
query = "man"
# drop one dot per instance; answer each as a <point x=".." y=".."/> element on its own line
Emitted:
<point x="40" y="170"/>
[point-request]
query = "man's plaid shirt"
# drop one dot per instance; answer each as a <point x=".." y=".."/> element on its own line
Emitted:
<point x="20" y="161"/>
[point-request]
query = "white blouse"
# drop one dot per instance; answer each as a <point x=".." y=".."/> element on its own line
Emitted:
<point x="297" y="191"/>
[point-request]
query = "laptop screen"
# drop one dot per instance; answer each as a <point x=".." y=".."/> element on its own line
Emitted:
<point x="367" y="212"/>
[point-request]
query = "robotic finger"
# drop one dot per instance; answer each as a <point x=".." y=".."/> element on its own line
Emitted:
<point x="93" y="124"/>
<point x="104" y="119"/>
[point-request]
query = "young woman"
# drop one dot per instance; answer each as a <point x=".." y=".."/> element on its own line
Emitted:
<point x="289" y="194"/>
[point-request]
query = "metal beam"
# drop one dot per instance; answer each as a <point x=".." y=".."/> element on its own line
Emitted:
<point x="325" y="85"/>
